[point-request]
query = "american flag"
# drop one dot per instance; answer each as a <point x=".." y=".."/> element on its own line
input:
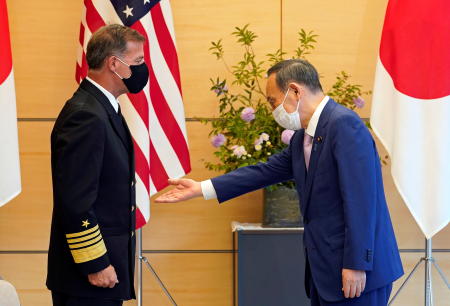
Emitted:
<point x="155" y="116"/>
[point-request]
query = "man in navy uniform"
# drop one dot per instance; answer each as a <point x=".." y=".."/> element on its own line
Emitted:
<point x="92" y="244"/>
<point x="351" y="251"/>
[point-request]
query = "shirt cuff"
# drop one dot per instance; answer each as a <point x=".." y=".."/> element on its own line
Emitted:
<point x="208" y="190"/>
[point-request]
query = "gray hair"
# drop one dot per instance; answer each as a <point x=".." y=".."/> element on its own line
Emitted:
<point x="109" y="40"/>
<point x="296" y="70"/>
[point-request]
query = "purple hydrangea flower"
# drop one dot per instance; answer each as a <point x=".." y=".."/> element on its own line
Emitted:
<point x="286" y="136"/>
<point x="359" y="102"/>
<point x="218" y="140"/>
<point x="221" y="90"/>
<point x="248" y="114"/>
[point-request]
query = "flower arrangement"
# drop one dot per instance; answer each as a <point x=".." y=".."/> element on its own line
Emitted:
<point x="245" y="132"/>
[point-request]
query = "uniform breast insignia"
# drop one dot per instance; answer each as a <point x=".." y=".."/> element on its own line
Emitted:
<point x="85" y="223"/>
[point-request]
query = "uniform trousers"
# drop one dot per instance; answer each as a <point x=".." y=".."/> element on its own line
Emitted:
<point x="62" y="299"/>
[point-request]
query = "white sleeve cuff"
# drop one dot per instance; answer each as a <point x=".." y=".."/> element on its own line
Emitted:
<point x="208" y="190"/>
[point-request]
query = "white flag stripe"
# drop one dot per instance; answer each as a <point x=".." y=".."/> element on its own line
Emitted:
<point x="164" y="76"/>
<point x="106" y="10"/>
<point x="137" y="127"/>
<point x="142" y="198"/>
<point x="9" y="154"/>
<point x="411" y="129"/>
<point x="167" y="13"/>
<point x="152" y="188"/>
<point x="162" y="146"/>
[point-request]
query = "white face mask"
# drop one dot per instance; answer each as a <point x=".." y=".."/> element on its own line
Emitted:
<point x="290" y="121"/>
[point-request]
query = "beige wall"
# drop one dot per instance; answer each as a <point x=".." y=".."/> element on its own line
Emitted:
<point x="44" y="37"/>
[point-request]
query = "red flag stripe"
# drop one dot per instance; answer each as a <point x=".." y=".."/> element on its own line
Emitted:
<point x="81" y="71"/>
<point x="140" y="220"/>
<point x="157" y="172"/>
<point x="140" y="103"/>
<point x="142" y="166"/>
<point x="165" y="43"/>
<point x="93" y="19"/>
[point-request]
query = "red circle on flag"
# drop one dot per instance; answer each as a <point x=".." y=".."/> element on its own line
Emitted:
<point x="5" y="46"/>
<point x="415" y="47"/>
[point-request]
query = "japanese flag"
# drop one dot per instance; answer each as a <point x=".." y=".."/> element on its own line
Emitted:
<point x="411" y="106"/>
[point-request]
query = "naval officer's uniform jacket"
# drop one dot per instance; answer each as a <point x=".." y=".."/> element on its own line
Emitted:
<point x="94" y="197"/>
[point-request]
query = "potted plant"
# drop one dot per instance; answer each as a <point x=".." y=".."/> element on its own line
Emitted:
<point x="245" y="132"/>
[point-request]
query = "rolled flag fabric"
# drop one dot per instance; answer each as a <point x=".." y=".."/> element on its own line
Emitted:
<point x="10" y="185"/>
<point x="411" y="106"/>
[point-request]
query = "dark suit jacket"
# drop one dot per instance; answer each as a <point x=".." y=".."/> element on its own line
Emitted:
<point x="94" y="197"/>
<point x="347" y="222"/>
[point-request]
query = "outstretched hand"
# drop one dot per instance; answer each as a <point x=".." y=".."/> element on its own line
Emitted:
<point x="185" y="189"/>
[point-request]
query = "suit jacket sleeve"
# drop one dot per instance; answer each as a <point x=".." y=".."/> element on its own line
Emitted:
<point x="78" y="158"/>
<point x="246" y="179"/>
<point x="356" y="156"/>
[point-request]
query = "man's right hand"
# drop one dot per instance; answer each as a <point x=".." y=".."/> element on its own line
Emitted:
<point x="185" y="189"/>
<point x="107" y="278"/>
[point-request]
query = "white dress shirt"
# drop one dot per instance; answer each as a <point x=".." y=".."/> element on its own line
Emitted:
<point x="208" y="188"/>
<point x="111" y="98"/>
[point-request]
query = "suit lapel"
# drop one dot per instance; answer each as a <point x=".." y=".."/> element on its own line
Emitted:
<point x="114" y="118"/>
<point x="318" y="141"/>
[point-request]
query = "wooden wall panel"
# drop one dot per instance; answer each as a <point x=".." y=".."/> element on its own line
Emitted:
<point x="349" y="33"/>
<point x="199" y="22"/>
<point x="28" y="274"/>
<point x="192" y="279"/>
<point x="44" y="38"/>
<point x="413" y="292"/>
<point x="198" y="224"/>
<point x="25" y="221"/>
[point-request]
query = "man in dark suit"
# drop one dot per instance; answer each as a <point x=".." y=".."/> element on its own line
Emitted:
<point x="92" y="244"/>
<point x="351" y="251"/>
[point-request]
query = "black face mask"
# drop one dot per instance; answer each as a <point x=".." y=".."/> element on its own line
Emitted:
<point x="138" y="79"/>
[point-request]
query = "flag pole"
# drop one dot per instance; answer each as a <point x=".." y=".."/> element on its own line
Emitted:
<point x="142" y="259"/>
<point x="139" y="267"/>
<point x="428" y="283"/>
<point x="429" y="261"/>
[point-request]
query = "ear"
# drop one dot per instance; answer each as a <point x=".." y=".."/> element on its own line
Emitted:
<point x="111" y="63"/>
<point x="296" y="88"/>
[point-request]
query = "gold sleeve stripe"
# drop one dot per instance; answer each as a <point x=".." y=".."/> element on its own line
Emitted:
<point x="83" y="232"/>
<point x="90" y="253"/>
<point x="84" y="238"/>
<point x="79" y="245"/>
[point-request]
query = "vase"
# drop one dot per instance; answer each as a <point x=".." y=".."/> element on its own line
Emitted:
<point x="281" y="208"/>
